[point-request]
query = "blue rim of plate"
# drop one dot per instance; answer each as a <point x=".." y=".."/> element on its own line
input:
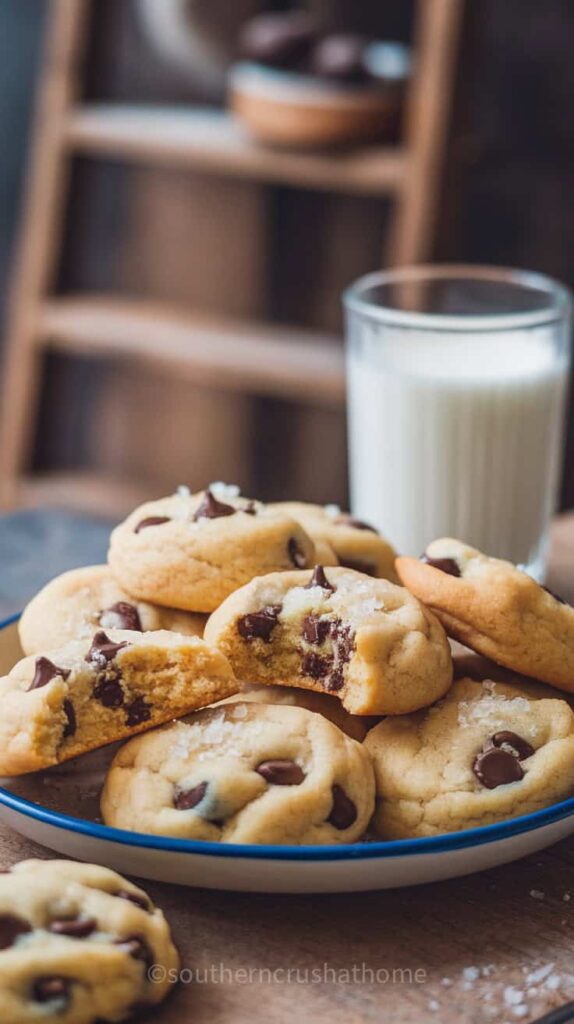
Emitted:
<point x="349" y="851"/>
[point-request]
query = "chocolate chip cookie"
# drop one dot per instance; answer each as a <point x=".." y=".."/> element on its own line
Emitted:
<point x="76" y="604"/>
<point x="243" y="773"/>
<point x="356" y="726"/>
<point x="487" y="752"/>
<point x="89" y="693"/>
<point x="77" y="945"/>
<point x="496" y="609"/>
<point x="340" y="539"/>
<point x="190" y="551"/>
<point x="366" y="641"/>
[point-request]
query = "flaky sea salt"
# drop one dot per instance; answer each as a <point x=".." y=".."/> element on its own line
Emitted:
<point x="223" y="491"/>
<point x="333" y="510"/>
<point x="538" y="975"/>
<point x="183" y="491"/>
<point x="512" y="996"/>
<point x="537" y="894"/>
<point x="471" y="973"/>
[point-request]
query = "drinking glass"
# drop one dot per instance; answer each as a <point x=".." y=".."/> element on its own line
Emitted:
<point x="456" y="388"/>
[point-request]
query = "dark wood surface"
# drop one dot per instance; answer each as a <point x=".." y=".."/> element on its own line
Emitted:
<point x="503" y="924"/>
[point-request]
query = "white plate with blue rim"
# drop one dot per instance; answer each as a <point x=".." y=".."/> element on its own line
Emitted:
<point x="59" y="809"/>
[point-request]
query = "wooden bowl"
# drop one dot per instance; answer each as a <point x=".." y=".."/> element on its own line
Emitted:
<point x="286" y="108"/>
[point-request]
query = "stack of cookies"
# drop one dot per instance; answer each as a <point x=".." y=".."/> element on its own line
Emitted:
<point x="302" y="694"/>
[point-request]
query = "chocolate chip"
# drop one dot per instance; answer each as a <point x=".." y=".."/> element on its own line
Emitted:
<point x="315" y="665"/>
<point x="45" y="672"/>
<point x="104" y="650"/>
<point x="343" y="812"/>
<point x="315" y="630"/>
<point x="259" y="625"/>
<point x="51" y="988"/>
<point x="74" y="927"/>
<point x="11" y="927"/>
<point x="340" y="57"/>
<point x="211" y="508"/>
<point x="186" y="799"/>
<point x="138" y="711"/>
<point x="134" y="897"/>
<point x="297" y="556"/>
<point x="281" y="772"/>
<point x="357" y="524"/>
<point x="121" y="615"/>
<point x="447" y="565"/>
<point x="367" y="568"/>
<point x="250" y="508"/>
<point x="494" y="767"/>
<point x="136" y="947"/>
<point x="109" y="692"/>
<point x="151" y="521"/>
<point x="318" y="579"/>
<point x="506" y="738"/>
<point x="555" y="596"/>
<point x="71" y="725"/>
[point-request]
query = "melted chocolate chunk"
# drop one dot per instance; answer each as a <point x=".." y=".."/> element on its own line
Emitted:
<point x="343" y="812"/>
<point x="109" y="692"/>
<point x="295" y="554"/>
<point x="211" y="508"/>
<point x="45" y="672"/>
<point x="51" y="988"/>
<point x="367" y="568"/>
<point x="136" y="947"/>
<point x="121" y="615"/>
<point x="187" y="799"/>
<point x="555" y="596"/>
<point x="357" y="524"/>
<point x="11" y="927"/>
<point x="494" y="767"/>
<point x="74" y="927"/>
<point x="336" y="680"/>
<point x="134" y="897"/>
<point x="315" y="630"/>
<point x="447" y="565"/>
<point x="103" y="650"/>
<point x="344" y="638"/>
<point x="259" y="625"/>
<point x="315" y="665"/>
<point x="281" y="772"/>
<point x="507" y="738"/>
<point x="138" y="711"/>
<point x="318" y="579"/>
<point x="71" y="725"/>
<point x="250" y="508"/>
<point x="151" y="521"/>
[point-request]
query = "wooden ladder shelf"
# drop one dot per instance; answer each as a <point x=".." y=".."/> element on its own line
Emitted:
<point x="258" y="358"/>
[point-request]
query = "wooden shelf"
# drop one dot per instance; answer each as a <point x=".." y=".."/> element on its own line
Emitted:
<point x="211" y="140"/>
<point x="296" y="365"/>
<point x="89" y="491"/>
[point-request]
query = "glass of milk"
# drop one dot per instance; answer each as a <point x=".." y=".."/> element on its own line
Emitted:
<point x="456" y="383"/>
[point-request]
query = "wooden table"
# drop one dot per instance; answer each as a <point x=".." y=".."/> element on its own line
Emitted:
<point x="460" y="951"/>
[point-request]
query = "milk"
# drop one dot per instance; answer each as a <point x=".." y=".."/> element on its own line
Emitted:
<point x="456" y="434"/>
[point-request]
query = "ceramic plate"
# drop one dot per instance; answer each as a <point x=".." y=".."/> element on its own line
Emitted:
<point x="59" y="809"/>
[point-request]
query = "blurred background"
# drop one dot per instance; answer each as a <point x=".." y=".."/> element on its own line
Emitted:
<point x="176" y="281"/>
